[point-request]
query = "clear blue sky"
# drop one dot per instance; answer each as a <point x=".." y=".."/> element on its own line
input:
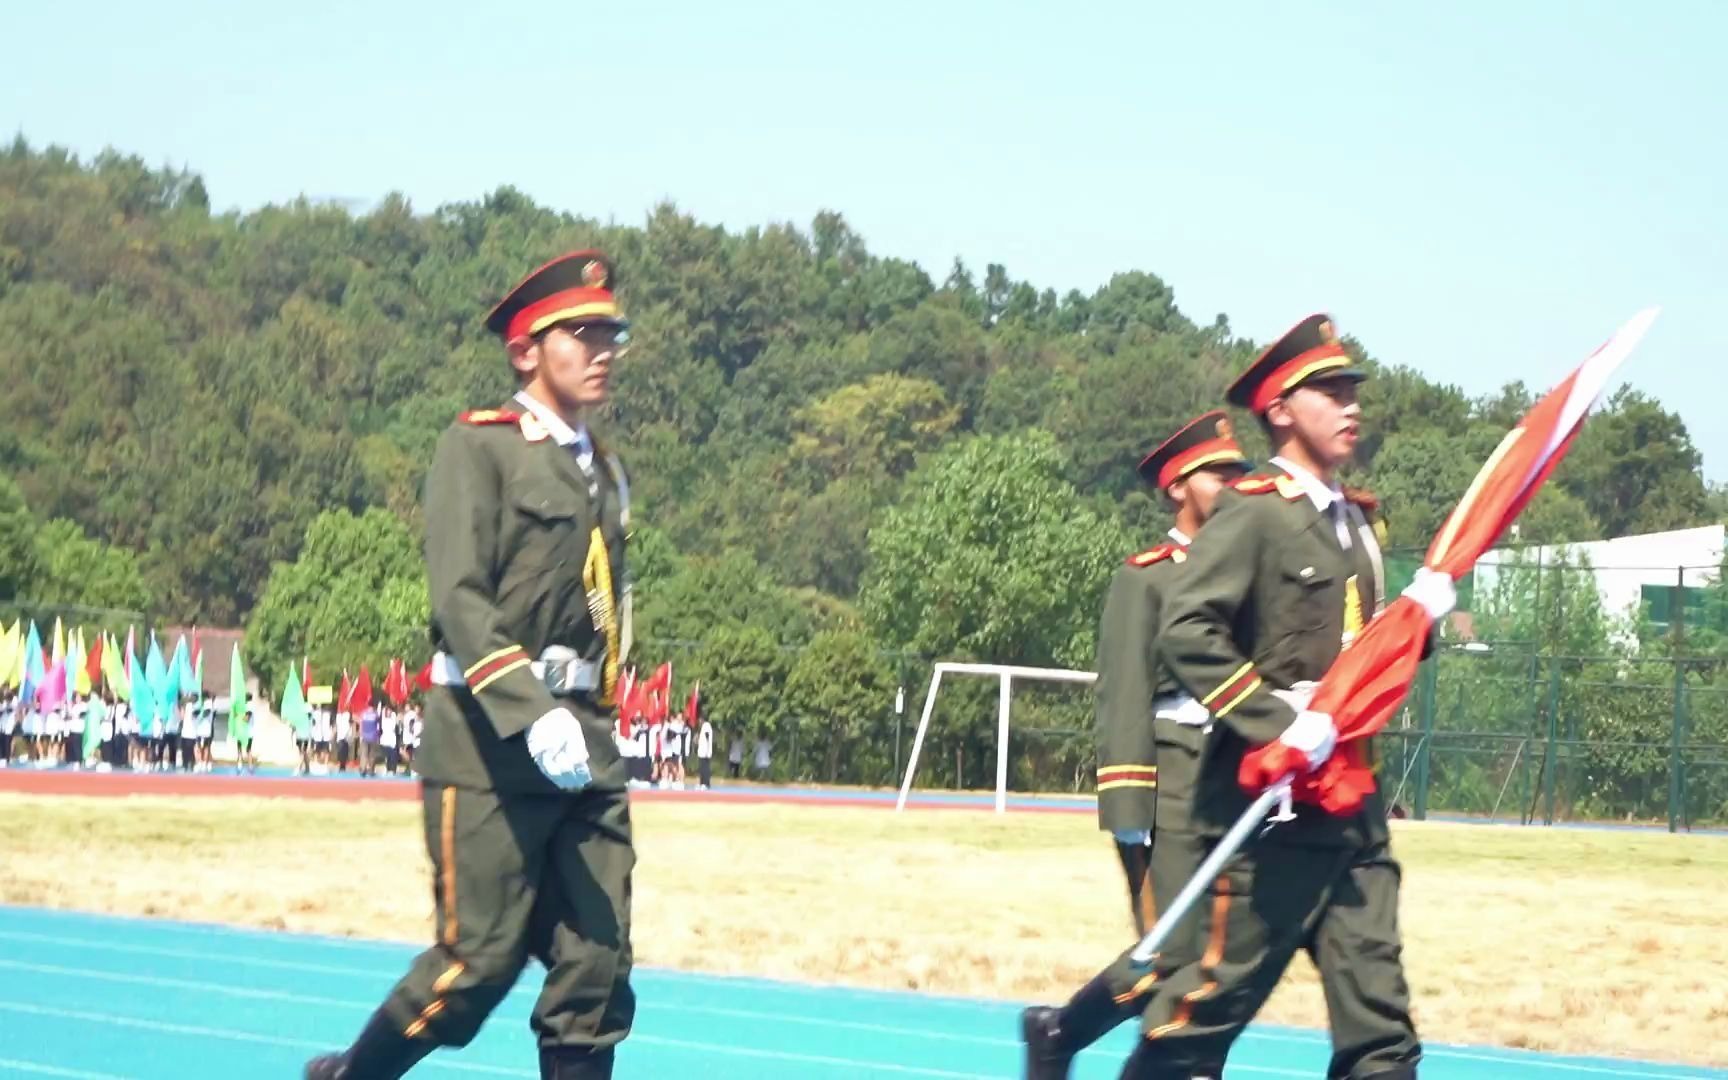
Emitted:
<point x="1481" y="190"/>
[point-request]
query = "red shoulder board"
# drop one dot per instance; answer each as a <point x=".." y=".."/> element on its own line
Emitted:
<point x="1362" y="497"/>
<point x="1260" y="485"/>
<point x="1256" y="485"/>
<point x="1158" y="555"/>
<point x="490" y="416"/>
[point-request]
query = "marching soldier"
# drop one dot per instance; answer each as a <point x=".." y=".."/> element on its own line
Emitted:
<point x="1146" y="756"/>
<point x="1289" y="571"/>
<point x="526" y="815"/>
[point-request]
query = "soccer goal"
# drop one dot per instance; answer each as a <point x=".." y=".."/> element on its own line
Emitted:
<point x="1005" y="674"/>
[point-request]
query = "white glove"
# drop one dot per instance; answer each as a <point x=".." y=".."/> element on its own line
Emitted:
<point x="1435" y="591"/>
<point x="556" y="744"/>
<point x="1183" y="709"/>
<point x="1314" y="734"/>
<point x="1132" y="837"/>
<point x="1298" y="696"/>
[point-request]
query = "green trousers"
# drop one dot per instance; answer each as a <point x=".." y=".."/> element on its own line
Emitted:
<point x="515" y="876"/>
<point x="1338" y="905"/>
<point x="1174" y="858"/>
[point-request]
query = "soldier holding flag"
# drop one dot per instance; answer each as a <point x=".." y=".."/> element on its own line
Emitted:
<point x="1289" y="570"/>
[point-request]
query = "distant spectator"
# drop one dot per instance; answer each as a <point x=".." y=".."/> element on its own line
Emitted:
<point x="705" y="755"/>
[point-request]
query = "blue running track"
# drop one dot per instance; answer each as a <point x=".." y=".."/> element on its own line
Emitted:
<point x="93" y="997"/>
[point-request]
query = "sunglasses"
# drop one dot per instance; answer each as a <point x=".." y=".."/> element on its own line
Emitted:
<point x="604" y="335"/>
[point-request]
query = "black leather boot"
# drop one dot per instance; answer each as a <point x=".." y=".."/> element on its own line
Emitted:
<point x="1046" y="1056"/>
<point x="1054" y="1036"/>
<point x="381" y="1052"/>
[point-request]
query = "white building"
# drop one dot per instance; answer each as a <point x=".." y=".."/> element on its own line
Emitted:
<point x="1629" y="570"/>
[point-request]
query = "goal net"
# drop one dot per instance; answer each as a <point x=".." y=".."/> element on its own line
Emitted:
<point x="1005" y="675"/>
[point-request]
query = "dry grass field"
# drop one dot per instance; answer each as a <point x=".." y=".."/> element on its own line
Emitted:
<point x="1582" y="941"/>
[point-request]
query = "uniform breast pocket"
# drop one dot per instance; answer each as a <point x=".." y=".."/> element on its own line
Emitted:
<point x="547" y="526"/>
<point x="1311" y="598"/>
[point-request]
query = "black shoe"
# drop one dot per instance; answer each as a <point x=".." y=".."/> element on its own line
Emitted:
<point x="575" y="1063"/>
<point x="1047" y="1057"/>
<point x="382" y="1052"/>
<point x="328" y="1067"/>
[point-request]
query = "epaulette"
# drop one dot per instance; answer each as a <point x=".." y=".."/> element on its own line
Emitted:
<point x="1261" y="484"/>
<point x="1157" y="555"/>
<point x="1363" y="498"/>
<point x="490" y="416"/>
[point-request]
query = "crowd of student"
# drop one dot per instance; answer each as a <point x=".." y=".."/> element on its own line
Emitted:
<point x="375" y="741"/>
<point x="656" y="754"/>
<point x="99" y="732"/>
<point x="102" y="732"/>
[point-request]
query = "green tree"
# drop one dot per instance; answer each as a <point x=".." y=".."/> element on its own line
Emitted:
<point x="940" y="344"/>
<point x="1636" y="469"/>
<point x="1128" y="402"/>
<point x="992" y="558"/>
<point x="743" y="672"/>
<point x="1542" y="598"/>
<point x="705" y="595"/>
<point x="356" y="595"/>
<point x="17" y="540"/>
<point x="877" y="427"/>
<point x="71" y="568"/>
<point x="840" y="694"/>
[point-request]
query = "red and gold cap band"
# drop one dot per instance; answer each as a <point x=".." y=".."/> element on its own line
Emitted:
<point x="577" y="286"/>
<point x="1210" y="452"/>
<point x="559" y="307"/>
<point x="1288" y="376"/>
<point x="1205" y="440"/>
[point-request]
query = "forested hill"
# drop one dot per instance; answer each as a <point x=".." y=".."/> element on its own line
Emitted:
<point x="185" y="392"/>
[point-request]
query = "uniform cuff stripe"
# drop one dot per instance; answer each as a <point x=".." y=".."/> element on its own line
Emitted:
<point x="506" y="668"/>
<point x="1115" y="785"/>
<point x="1235" y="676"/>
<point x="489" y="658"/>
<point x="1239" y="698"/>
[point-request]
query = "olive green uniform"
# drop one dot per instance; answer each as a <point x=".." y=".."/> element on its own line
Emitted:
<point x="520" y="868"/>
<point x="1145" y="752"/>
<point x="1148" y="759"/>
<point x="1130" y="679"/>
<point x="1263" y="604"/>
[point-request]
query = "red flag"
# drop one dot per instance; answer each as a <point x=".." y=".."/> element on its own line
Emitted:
<point x="360" y="697"/>
<point x="1372" y="675"/>
<point x="657" y="691"/>
<point x="627" y="704"/>
<point x="93" y="665"/>
<point x="343" y="693"/>
<point x="396" y="683"/>
<point x="693" y="707"/>
<point x="306" y="678"/>
<point x="424" y="679"/>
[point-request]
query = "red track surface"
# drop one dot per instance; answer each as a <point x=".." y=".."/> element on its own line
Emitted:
<point x="62" y="782"/>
